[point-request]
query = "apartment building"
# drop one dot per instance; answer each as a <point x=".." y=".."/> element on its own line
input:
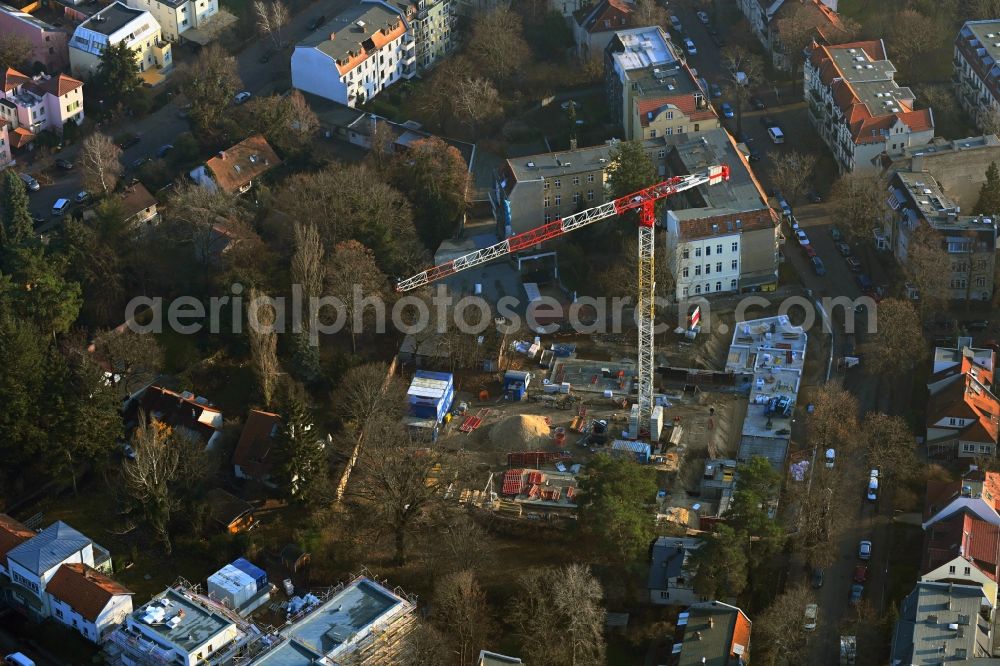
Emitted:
<point x="651" y="90"/>
<point x="595" y="26"/>
<point x="363" y="50"/>
<point x="433" y="25"/>
<point x="720" y="238"/>
<point x="114" y="24"/>
<point x="178" y="16"/>
<point x="857" y="107"/>
<point x="41" y="102"/>
<point x="943" y="623"/>
<point x="977" y="68"/>
<point x="766" y="16"/>
<point x="48" y="43"/>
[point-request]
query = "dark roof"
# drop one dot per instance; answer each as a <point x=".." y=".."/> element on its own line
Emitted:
<point x="84" y="588"/>
<point x="712" y="633"/>
<point x="350" y="44"/>
<point x="135" y="199"/>
<point x="616" y="12"/>
<point x="254" y="452"/>
<point x="226" y="508"/>
<point x="112" y="18"/>
<point x="178" y="411"/>
<point x="666" y="561"/>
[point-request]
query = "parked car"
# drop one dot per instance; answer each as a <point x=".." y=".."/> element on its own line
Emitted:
<point x="128" y="451"/>
<point x="872" y="486"/>
<point x="865" y="550"/>
<point x="138" y="164"/>
<point x="703" y="17"/>
<point x="29" y="182"/>
<point x="802" y="238"/>
<point x="38" y="218"/>
<point x="843" y="248"/>
<point x="853" y="263"/>
<point x="717" y="40"/>
<point x="776" y="135"/>
<point x="812" y="610"/>
<point x="162" y="151"/>
<point x="241" y="97"/>
<point x="814" y="197"/>
<point x="60" y="207"/>
<point x="128" y="141"/>
<point x="864" y="282"/>
<point x="727" y="110"/>
<point x="82" y="196"/>
<point x="316" y="22"/>
<point x="818" y="266"/>
<point x="753" y="156"/>
<point x="64" y="164"/>
<point x="831" y="458"/>
<point x="835" y="234"/>
<point x="856" y="591"/>
<point x="809" y="250"/>
<point x="675" y="23"/>
<point x="690" y="47"/>
<point x="817" y="578"/>
<point x="757" y="104"/>
<point x="861" y="573"/>
<point x="17" y="659"/>
<point x="715" y="90"/>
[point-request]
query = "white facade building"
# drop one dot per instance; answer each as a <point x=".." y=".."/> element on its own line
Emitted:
<point x="114" y="24"/>
<point x="178" y="16"/>
<point x="41" y="102"/>
<point x="368" y="48"/>
<point x="86" y="600"/>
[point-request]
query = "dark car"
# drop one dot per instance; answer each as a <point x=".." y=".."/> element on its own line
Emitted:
<point x="137" y="164"/>
<point x="861" y="573"/>
<point x="856" y="591"/>
<point x="717" y="40"/>
<point x="163" y="150"/>
<point x="864" y="282"/>
<point x="316" y="22"/>
<point x="757" y="104"/>
<point x="818" y="266"/>
<point x="817" y="578"/>
<point x="38" y="218"/>
<point x="753" y="156"/>
<point x="843" y="248"/>
<point x="814" y="196"/>
<point x="129" y="141"/>
<point x="64" y="164"/>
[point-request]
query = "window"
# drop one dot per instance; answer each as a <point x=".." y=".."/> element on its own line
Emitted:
<point x="558" y="183"/>
<point x="685" y="292"/>
<point x="697" y="270"/>
<point x="736" y="246"/>
<point x="576" y="197"/>
<point x="548" y="217"/>
<point x="951" y="421"/>
<point x="697" y="252"/>
<point x="697" y="289"/>
<point x="968" y="570"/>
<point x="981" y="281"/>
<point x="590" y="195"/>
<point x="558" y="199"/>
<point x="669" y="131"/>
<point x="547" y="201"/>
<point x="652" y="134"/>
<point x="718" y="248"/>
<point x="718" y="267"/>
<point x="546" y="185"/>
<point x="968" y="448"/>
<point x="708" y="288"/>
<point x="684" y="272"/>
<point x="960" y="283"/>
<point x="576" y="180"/>
<point x="661" y="153"/>
<point x="670" y="115"/>
<point x="732" y="284"/>
<point x="59" y="613"/>
<point x="590" y="177"/>
<point x="664" y="594"/>
<point x="708" y="269"/>
<point x="718" y="286"/>
<point x="708" y="250"/>
<point x="685" y="253"/>
<point x="951" y="569"/>
<point x="984" y="448"/>
<point x="696" y="127"/>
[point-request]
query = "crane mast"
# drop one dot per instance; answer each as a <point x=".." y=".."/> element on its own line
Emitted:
<point x="644" y="202"/>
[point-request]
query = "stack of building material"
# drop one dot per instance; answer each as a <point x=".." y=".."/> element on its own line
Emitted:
<point x="512" y="482"/>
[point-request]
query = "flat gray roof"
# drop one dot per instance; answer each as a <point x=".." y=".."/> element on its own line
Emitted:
<point x="923" y="191"/>
<point x="987" y="33"/>
<point x="347" y="35"/>
<point x="699" y="150"/>
<point x="197" y="625"/>
<point x="940" y="622"/>
<point x="112" y="18"/>
<point x="289" y="653"/>
<point x="872" y="80"/>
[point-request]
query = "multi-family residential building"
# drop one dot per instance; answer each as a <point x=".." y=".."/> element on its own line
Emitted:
<point x="433" y="26"/>
<point x="977" y="493"/>
<point x="363" y="50"/>
<point x="943" y="623"/>
<point x="178" y="16"/>
<point x="857" y="107"/>
<point x="766" y="16"/>
<point x="43" y="102"/>
<point x="977" y="68"/>
<point x="963" y="549"/>
<point x="114" y="24"/>
<point x="670" y="581"/>
<point x="951" y="363"/>
<point x="235" y="169"/>
<point x="48" y="43"/>
<point x="918" y="203"/>
<point x="651" y="90"/>
<point x="90" y="602"/>
<point x="711" y="632"/>
<point x="963" y="417"/>
<point x="721" y="238"/>
<point x="594" y="26"/>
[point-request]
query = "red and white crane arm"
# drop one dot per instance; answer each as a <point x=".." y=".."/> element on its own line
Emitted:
<point x="556" y="228"/>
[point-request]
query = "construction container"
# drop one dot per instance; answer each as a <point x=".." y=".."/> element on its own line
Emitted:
<point x="430" y="394"/>
<point x="656" y="423"/>
<point x="639" y="451"/>
<point x="515" y="384"/>
<point x="235" y="588"/>
<point x="633" y="422"/>
<point x="252" y="570"/>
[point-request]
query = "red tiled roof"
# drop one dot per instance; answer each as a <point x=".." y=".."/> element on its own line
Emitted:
<point x="686" y="104"/>
<point x="254" y="451"/>
<point x="20" y="137"/>
<point x="741" y="635"/>
<point x="968" y="399"/>
<point x="981" y="542"/>
<point x="12" y="534"/>
<point x="13" y="78"/>
<point x="240" y="164"/>
<point x="86" y="589"/>
<point x="962" y="535"/>
<point x="753" y="220"/>
<point x="57" y="85"/>
<point x="616" y="12"/>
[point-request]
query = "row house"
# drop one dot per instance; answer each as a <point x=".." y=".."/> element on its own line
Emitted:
<point x="371" y="48"/>
<point x="595" y="26"/>
<point x="766" y="17"/>
<point x="113" y="25"/>
<point x="433" y="24"/>
<point x="963" y="419"/>
<point x="963" y="549"/>
<point x="178" y="16"/>
<point x="48" y="43"/>
<point x="39" y="103"/>
<point x="917" y="202"/>
<point x="977" y="70"/>
<point x="857" y="107"/>
<point x="652" y="91"/>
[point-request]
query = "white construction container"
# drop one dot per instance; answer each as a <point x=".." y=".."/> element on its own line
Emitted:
<point x="656" y="423"/>
<point x="232" y="586"/>
<point x="633" y="422"/>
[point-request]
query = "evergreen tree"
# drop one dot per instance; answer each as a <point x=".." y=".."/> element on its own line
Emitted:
<point x="117" y="74"/>
<point x="17" y="226"/>
<point x="989" y="193"/>
<point x="630" y="169"/>
<point x="720" y="564"/>
<point x="303" y="469"/>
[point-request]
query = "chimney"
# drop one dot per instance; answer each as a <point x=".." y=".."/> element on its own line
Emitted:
<point x="222" y="154"/>
<point x="332" y="35"/>
<point x="711" y="621"/>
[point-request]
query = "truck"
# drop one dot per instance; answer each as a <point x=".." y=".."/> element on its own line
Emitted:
<point x="848" y="650"/>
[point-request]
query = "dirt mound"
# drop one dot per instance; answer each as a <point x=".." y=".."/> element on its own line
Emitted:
<point x="520" y="432"/>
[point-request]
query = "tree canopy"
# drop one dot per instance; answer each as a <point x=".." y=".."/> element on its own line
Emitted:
<point x="989" y="193"/>
<point x="614" y="505"/>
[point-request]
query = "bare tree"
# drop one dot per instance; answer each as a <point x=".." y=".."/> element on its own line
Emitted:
<point x="209" y="83"/>
<point x="475" y="100"/>
<point x="133" y="358"/>
<point x="898" y="326"/>
<point x="461" y="612"/>
<point x="149" y="475"/>
<point x="264" y="344"/>
<point x="423" y="646"/>
<point x="365" y="392"/>
<point x="458" y="544"/>
<point x="989" y="121"/>
<point x="859" y="202"/>
<point x="834" y="420"/>
<point x="742" y="69"/>
<point x="564" y="602"/>
<point x="928" y="264"/>
<point x="353" y="277"/>
<point x="15" y="51"/>
<point x="303" y="122"/>
<point x="99" y="163"/>
<point x="271" y="18"/>
<point x="383" y="141"/>
<point x="497" y="44"/>
<point x="648" y="12"/>
<point x="308" y="269"/>
<point x="791" y="173"/>
<point x="912" y="35"/>
<point x="890" y="447"/>
<point x="779" y="633"/>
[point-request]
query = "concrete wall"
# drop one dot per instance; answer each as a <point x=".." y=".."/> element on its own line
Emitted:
<point x="757" y="255"/>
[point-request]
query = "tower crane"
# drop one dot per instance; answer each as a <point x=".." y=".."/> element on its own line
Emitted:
<point x="643" y="201"/>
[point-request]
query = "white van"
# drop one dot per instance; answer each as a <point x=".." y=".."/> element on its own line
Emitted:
<point x="777" y="136"/>
<point x="17" y="659"/>
<point x="60" y="207"/>
<point x="831" y="457"/>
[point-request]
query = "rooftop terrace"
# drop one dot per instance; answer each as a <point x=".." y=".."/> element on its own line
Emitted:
<point x="180" y="620"/>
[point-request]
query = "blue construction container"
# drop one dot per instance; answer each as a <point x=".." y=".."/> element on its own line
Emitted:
<point x="252" y="570"/>
<point x="640" y="451"/>
<point x="430" y="394"/>
<point x="515" y="384"/>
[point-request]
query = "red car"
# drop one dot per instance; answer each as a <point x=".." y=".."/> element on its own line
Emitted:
<point x="861" y="573"/>
<point x="810" y="252"/>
